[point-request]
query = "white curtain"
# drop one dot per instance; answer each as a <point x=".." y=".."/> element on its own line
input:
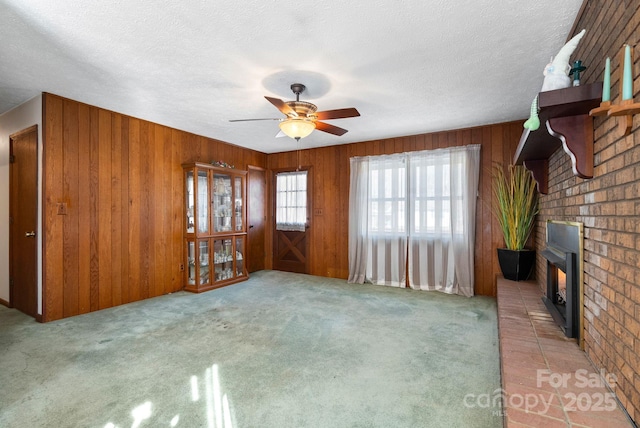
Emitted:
<point x="377" y="220"/>
<point x="416" y="204"/>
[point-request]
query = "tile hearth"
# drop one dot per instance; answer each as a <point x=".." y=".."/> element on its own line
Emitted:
<point x="548" y="380"/>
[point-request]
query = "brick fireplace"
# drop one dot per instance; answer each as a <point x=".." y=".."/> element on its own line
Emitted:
<point x="564" y="255"/>
<point x="608" y="205"/>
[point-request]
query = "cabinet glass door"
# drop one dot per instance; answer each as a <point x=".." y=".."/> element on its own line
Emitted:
<point x="222" y="209"/>
<point x="239" y="256"/>
<point x="203" y="257"/>
<point x="191" y="263"/>
<point x="223" y="259"/>
<point x="203" y="202"/>
<point x="238" y="197"/>
<point x="190" y="202"/>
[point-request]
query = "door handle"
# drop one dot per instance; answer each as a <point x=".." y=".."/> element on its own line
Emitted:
<point x="29" y="234"/>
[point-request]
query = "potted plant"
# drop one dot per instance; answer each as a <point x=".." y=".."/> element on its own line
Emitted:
<point x="515" y="205"/>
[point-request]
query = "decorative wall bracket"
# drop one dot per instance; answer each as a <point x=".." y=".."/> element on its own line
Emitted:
<point x="576" y="135"/>
<point x="568" y="125"/>
<point x="625" y="112"/>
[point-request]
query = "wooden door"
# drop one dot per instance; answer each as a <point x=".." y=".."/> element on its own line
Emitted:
<point x="256" y="218"/>
<point x="23" y="206"/>
<point x="291" y="248"/>
<point x="290" y="251"/>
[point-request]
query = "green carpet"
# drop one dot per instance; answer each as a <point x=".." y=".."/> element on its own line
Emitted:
<point x="279" y="350"/>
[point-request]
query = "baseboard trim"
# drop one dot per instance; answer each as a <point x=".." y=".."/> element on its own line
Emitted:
<point x="5" y="303"/>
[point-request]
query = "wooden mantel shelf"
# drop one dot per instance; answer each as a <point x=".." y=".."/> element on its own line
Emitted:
<point x="564" y="121"/>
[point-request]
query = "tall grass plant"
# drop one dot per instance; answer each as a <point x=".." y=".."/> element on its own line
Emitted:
<point x="515" y="203"/>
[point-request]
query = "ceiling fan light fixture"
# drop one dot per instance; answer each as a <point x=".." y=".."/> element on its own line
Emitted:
<point x="302" y="117"/>
<point x="296" y="127"/>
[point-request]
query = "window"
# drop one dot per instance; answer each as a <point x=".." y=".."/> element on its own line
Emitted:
<point x="420" y="196"/>
<point x="387" y="198"/>
<point x="436" y="186"/>
<point x="291" y="200"/>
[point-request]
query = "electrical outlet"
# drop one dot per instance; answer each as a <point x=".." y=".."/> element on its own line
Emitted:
<point x="181" y="267"/>
<point x="62" y="208"/>
<point x="318" y="211"/>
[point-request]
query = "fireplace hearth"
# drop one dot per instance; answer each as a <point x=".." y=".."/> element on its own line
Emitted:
<point x="564" y="254"/>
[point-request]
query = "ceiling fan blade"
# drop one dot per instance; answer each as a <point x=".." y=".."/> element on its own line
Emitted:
<point x="250" y="120"/>
<point x="341" y="113"/>
<point x="282" y="106"/>
<point x="325" y="127"/>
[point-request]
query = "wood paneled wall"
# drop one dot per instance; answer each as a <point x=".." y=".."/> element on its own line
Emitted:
<point x="120" y="238"/>
<point x="330" y="210"/>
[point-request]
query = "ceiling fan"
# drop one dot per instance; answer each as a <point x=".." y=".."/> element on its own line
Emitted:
<point x="302" y="117"/>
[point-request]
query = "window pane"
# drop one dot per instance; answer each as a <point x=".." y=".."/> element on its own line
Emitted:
<point x="374" y="184"/>
<point x="431" y="215"/>
<point x="387" y="189"/>
<point x="291" y="200"/>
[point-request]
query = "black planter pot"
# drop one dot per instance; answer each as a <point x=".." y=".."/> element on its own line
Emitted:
<point x="516" y="265"/>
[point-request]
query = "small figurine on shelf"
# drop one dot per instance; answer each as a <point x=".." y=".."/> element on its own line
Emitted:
<point x="190" y="224"/>
<point x="220" y="187"/>
<point x="575" y="72"/>
<point x="221" y="164"/>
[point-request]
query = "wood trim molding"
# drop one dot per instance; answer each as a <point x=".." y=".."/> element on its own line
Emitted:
<point x="32" y="128"/>
<point x="43" y="212"/>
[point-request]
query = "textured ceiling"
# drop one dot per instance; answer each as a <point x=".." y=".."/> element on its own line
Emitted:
<point x="409" y="66"/>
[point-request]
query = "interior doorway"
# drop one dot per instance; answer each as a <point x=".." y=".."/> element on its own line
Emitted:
<point x="23" y="224"/>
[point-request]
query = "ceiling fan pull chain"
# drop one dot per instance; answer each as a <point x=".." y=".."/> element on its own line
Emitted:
<point x="298" y="143"/>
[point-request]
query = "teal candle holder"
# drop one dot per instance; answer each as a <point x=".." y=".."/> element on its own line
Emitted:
<point x="575" y="72"/>
<point x="605" y="104"/>
<point x="626" y="109"/>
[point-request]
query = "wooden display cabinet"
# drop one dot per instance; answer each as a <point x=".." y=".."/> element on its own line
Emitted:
<point x="215" y="231"/>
